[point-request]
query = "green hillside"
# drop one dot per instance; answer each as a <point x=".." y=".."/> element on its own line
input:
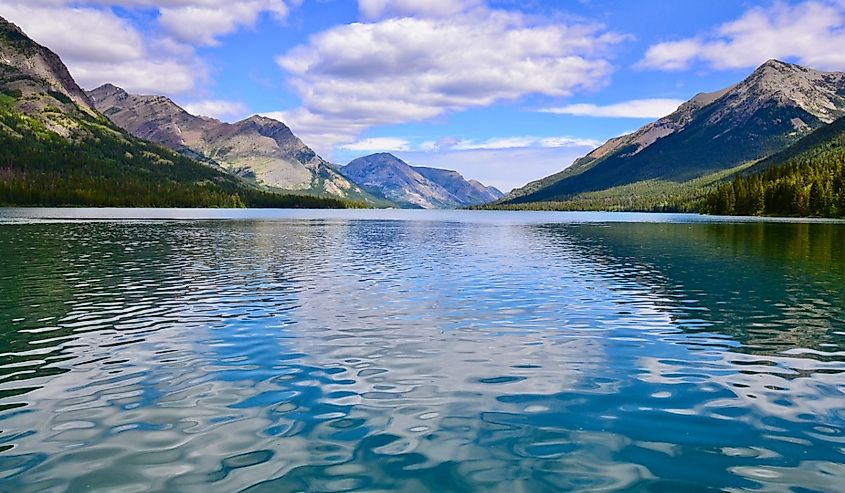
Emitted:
<point x="807" y="179"/>
<point x="676" y="158"/>
<point x="100" y="165"/>
<point x="709" y="136"/>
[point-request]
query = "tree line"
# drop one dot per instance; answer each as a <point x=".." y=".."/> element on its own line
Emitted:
<point x="102" y="166"/>
<point x="809" y="184"/>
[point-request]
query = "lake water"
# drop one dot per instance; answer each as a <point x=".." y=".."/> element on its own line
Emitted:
<point x="220" y="351"/>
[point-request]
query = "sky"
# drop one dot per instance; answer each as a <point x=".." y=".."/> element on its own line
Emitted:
<point x="504" y="91"/>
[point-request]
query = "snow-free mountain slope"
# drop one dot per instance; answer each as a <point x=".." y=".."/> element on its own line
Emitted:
<point x="387" y="176"/>
<point x="257" y="148"/>
<point x="765" y="113"/>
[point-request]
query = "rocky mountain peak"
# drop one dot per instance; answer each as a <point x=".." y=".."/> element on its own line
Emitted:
<point x="385" y="175"/>
<point x="107" y="89"/>
<point x="263" y="122"/>
<point x="782" y="84"/>
<point x="21" y="55"/>
<point x="273" y="129"/>
<point x="771" y="108"/>
<point x="107" y="93"/>
<point x="256" y="148"/>
<point x="10" y="27"/>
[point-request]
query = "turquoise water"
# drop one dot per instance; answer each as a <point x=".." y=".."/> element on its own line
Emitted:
<point x="419" y="351"/>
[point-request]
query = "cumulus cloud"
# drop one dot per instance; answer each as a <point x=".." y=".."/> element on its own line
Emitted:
<point x="635" y="108"/>
<point x="804" y="32"/>
<point x="140" y="76"/>
<point x="190" y="21"/>
<point x="503" y="168"/>
<point x="100" y="46"/>
<point x="373" y="9"/>
<point x="378" y="144"/>
<point x="454" y="144"/>
<point x="87" y="33"/>
<point x="320" y="133"/>
<point x="402" y="69"/>
<point x="203" y="22"/>
<point x="216" y="108"/>
<point x="512" y="142"/>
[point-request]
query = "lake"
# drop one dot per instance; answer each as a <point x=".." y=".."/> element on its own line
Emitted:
<point x="328" y="351"/>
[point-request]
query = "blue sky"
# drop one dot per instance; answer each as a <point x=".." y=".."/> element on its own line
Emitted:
<point x="504" y="91"/>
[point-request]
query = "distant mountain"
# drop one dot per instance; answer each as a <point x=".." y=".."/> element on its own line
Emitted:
<point x="259" y="149"/>
<point x="388" y="177"/>
<point x="56" y="149"/>
<point x="465" y="192"/>
<point x="771" y="109"/>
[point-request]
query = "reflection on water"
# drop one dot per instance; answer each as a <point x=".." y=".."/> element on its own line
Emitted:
<point x="336" y="355"/>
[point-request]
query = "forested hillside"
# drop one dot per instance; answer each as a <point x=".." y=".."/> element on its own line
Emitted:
<point x="807" y="179"/>
<point x="769" y="111"/>
<point x="107" y="167"/>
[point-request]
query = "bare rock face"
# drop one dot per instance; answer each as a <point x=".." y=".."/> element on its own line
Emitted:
<point x="257" y="148"/>
<point x="768" y="111"/>
<point x="821" y="94"/>
<point x="387" y="176"/>
<point x="465" y="192"/>
<point x="153" y="118"/>
<point x="33" y="61"/>
<point x="39" y="83"/>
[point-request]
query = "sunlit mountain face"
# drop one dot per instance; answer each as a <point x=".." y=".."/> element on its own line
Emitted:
<point x="504" y="93"/>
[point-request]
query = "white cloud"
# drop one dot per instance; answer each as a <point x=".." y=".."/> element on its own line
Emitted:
<point x="452" y="144"/>
<point x="516" y="142"/>
<point x="554" y="142"/>
<point x="404" y="69"/>
<point x="504" y="162"/>
<point x="378" y="144"/>
<point x="321" y="134"/>
<point x="503" y="168"/>
<point x="190" y="21"/>
<point x="202" y="23"/>
<point x="636" y="108"/>
<point x="79" y="33"/>
<point x="216" y="108"/>
<point x="100" y="46"/>
<point x="806" y="32"/>
<point x="138" y="76"/>
<point x="373" y="9"/>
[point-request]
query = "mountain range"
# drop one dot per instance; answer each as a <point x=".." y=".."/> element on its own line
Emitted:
<point x="778" y="135"/>
<point x="115" y="135"/>
<point x="257" y="149"/>
<point x="774" y="107"/>
<point x="386" y="176"/>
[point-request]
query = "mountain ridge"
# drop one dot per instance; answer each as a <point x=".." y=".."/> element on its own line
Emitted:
<point x="20" y="52"/>
<point x="56" y="149"/>
<point x="256" y="148"/>
<point x="770" y="109"/>
<point x="387" y="176"/>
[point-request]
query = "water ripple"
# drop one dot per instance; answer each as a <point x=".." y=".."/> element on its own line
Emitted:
<point x="420" y="355"/>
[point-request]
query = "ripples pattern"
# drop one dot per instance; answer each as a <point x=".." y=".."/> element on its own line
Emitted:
<point x="423" y="355"/>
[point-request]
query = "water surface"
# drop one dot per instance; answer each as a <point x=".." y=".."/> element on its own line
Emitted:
<point x="419" y="351"/>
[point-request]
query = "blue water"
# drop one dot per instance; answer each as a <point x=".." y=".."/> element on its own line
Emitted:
<point x="419" y="351"/>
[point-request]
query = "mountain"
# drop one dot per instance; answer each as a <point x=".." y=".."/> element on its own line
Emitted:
<point x="465" y="192"/>
<point x="806" y="179"/>
<point x="258" y="149"/>
<point x="771" y="109"/>
<point x="57" y="149"/>
<point x="37" y="83"/>
<point x="384" y="175"/>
